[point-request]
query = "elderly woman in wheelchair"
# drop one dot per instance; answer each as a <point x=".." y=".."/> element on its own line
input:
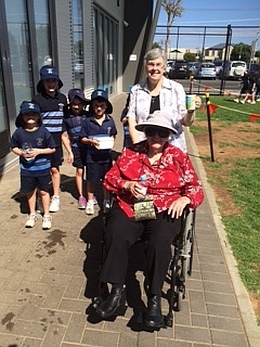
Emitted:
<point x="152" y="183"/>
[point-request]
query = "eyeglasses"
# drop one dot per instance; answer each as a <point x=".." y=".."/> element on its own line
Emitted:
<point x="161" y="132"/>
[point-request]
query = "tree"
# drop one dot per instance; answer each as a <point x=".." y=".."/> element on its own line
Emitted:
<point x="157" y="45"/>
<point x="241" y="51"/>
<point x="173" y="9"/>
<point x="189" y="56"/>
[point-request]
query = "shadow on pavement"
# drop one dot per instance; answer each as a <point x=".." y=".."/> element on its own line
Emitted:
<point x="22" y="200"/>
<point x="92" y="235"/>
<point x="68" y="185"/>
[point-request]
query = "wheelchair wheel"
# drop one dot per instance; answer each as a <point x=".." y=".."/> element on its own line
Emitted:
<point x="187" y="257"/>
<point x="177" y="289"/>
<point x="188" y="243"/>
<point x="180" y="297"/>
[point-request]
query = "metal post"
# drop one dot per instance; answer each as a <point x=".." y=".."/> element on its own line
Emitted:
<point x="203" y="43"/>
<point x="227" y="48"/>
<point x="191" y="85"/>
<point x="253" y="48"/>
<point x="209" y="128"/>
<point x="177" y="43"/>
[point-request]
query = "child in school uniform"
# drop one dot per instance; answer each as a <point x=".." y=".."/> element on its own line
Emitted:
<point x="51" y="103"/>
<point x="99" y="161"/>
<point x="74" y="116"/>
<point x="34" y="145"/>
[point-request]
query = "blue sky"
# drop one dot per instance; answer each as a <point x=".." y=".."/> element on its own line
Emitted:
<point x="216" y="13"/>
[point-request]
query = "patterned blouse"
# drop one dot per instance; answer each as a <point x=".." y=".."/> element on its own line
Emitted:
<point x="167" y="179"/>
<point x="172" y="99"/>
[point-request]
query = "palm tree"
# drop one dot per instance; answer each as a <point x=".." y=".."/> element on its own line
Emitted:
<point x="173" y="9"/>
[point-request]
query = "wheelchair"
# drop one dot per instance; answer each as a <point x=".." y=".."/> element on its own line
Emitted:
<point x="181" y="264"/>
<point x="180" y="267"/>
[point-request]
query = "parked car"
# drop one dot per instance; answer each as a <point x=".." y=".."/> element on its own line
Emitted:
<point x="206" y="70"/>
<point x="234" y="69"/>
<point x="219" y="66"/>
<point x="193" y="67"/>
<point x="180" y="70"/>
<point x="169" y="65"/>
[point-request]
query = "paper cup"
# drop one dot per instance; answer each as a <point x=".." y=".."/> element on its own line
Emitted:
<point x="190" y="102"/>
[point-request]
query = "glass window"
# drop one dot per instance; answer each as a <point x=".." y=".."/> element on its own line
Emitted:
<point x="4" y="138"/>
<point x="18" y="38"/>
<point x="77" y="37"/>
<point x="114" y="49"/>
<point x="43" y="39"/>
<point x="105" y="51"/>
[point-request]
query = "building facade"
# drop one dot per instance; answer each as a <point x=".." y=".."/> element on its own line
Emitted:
<point x="94" y="44"/>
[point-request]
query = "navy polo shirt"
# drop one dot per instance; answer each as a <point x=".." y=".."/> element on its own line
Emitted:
<point x="73" y="124"/>
<point x="41" y="138"/>
<point x="52" y="113"/>
<point x="91" y="128"/>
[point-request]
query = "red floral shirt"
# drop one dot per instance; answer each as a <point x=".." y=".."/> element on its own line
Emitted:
<point x="167" y="179"/>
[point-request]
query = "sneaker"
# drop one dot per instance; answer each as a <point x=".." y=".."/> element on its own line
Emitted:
<point x="253" y="102"/>
<point x="106" y="206"/>
<point x="242" y="102"/>
<point x="31" y="219"/>
<point x="39" y="207"/>
<point x="46" y="222"/>
<point x="90" y="207"/>
<point x="55" y="204"/>
<point x="95" y="200"/>
<point x="82" y="203"/>
<point x="236" y="100"/>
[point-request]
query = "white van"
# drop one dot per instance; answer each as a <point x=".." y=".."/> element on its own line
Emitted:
<point x="235" y="69"/>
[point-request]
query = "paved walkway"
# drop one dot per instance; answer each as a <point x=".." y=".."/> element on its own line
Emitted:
<point x="44" y="293"/>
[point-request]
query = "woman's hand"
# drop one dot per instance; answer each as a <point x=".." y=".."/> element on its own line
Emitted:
<point x="135" y="189"/>
<point x="177" y="207"/>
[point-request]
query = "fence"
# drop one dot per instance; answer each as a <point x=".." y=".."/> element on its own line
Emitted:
<point x="208" y="43"/>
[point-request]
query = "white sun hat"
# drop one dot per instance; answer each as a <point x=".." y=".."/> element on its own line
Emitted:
<point x="159" y="119"/>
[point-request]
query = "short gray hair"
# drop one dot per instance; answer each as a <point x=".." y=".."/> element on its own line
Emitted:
<point x="154" y="54"/>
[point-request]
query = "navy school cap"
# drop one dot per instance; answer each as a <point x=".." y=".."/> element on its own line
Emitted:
<point x="77" y="93"/>
<point x="26" y="107"/>
<point x="48" y="72"/>
<point x="102" y="94"/>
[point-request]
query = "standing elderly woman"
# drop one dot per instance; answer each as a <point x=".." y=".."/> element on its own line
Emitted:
<point x="171" y="185"/>
<point x="157" y="92"/>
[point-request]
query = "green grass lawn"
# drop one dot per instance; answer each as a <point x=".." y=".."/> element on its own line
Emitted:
<point x="243" y="228"/>
<point x="230" y="110"/>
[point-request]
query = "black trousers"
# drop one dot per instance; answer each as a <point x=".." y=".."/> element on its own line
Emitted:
<point x="122" y="232"/>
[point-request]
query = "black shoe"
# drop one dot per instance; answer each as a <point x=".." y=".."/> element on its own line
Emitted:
<point x="154" y="318"/>
<point x="111" y="305"/>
